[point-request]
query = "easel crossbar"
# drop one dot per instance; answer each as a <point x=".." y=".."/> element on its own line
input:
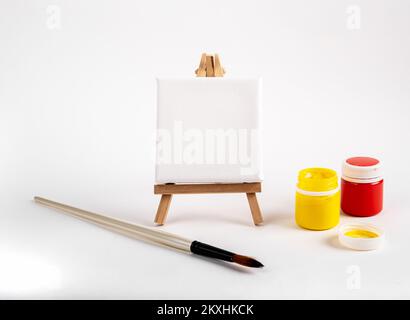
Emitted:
<point x="207" y="188"/>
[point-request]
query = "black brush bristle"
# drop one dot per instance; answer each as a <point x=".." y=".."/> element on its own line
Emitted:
<point x="246" y="261"/>
<point x="206" y="250"/>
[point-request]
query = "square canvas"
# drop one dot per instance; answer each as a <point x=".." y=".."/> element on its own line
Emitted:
<point x="208" y="130"/>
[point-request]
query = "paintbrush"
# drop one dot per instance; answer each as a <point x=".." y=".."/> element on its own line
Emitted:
<point x="158" y="237"/>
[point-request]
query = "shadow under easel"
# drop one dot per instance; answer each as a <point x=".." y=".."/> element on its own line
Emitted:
<point x="185" y="216"/>
<point x="282" y="219"/>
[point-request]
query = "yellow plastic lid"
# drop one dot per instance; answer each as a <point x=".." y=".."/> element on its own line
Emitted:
<point x="361" y="236"/>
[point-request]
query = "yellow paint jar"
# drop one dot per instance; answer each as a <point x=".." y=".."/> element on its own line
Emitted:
<point x="317" y="204"/>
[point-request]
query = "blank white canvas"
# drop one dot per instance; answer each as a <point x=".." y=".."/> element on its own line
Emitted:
<point x="208" y="130"/>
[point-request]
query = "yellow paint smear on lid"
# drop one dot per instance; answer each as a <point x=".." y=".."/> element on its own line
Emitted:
<point x="359" y="233"/>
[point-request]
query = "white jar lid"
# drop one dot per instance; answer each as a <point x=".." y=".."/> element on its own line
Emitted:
<point x="360" y="236"/>
<point x="361" y="168"/>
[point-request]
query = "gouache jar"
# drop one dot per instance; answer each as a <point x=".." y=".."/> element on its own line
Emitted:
<point x="317" y="205"/>
<point x="362" y="187"/>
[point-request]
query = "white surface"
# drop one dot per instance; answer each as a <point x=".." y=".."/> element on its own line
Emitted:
<point x="77" y="124"/>
<point x="208" y="130"/>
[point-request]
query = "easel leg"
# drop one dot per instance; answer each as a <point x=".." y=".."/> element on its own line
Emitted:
<point x="163" y="208"/>
<point x="256" y="211"/>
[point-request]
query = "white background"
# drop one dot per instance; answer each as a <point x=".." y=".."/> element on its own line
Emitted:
<point x="77" y="125"/>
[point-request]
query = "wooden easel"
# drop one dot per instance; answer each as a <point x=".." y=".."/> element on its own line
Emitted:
<point x="209" y="66"/>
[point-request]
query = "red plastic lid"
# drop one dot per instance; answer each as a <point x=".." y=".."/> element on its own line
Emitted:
<point x="362" y="161"/>
<point x="361" y="168"/>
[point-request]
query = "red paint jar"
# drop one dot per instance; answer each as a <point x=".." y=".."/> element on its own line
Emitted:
<point x="361" y="187"/>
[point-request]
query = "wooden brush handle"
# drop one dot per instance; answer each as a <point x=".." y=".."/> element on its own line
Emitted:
<point x="125" y="228"/>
